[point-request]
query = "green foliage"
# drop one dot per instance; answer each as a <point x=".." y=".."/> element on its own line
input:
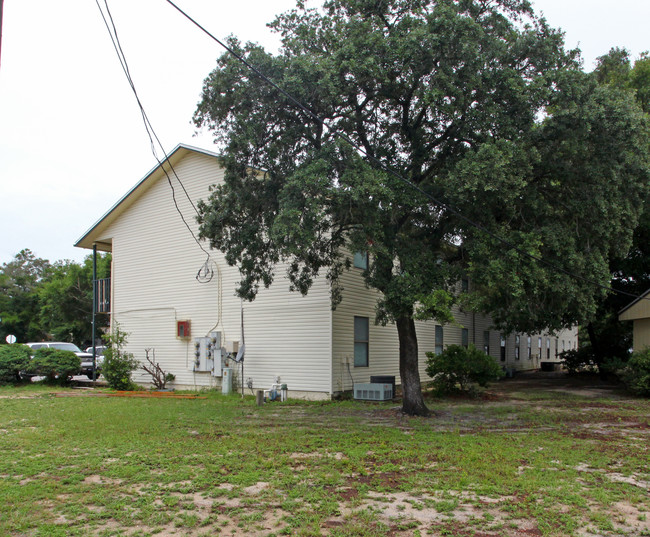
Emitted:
<point x="457" y="368"/>
<point x="449" y="95"/>
<point x="584" y="360"/>
<point x="66" y="299"/>
<point x="578" y="187"/>
<point x="13" y="359"/>
<point x="118" y="364"/>
<point x="607" y="338"/>
<point x="616" y="69"/>
<point x="38" y="298"/>
<point x="19" y="305"/>
<point x="578" y="360"/>
<point x="636" y="375"/>
<point x="55" y="364"/>
<point x="436" y="305"/>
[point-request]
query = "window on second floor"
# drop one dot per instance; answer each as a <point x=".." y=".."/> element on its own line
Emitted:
<point x="360" y="260"/>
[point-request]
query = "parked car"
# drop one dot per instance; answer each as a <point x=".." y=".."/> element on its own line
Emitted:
<point x="100" y="350"/>
<point x="86" y="357"/>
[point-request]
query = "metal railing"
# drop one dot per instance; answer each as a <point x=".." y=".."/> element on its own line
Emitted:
<point x="103" y="295"/>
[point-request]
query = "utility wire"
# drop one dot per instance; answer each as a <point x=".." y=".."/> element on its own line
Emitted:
<point x="206" y="272"/>
<point x="396" y="174"/>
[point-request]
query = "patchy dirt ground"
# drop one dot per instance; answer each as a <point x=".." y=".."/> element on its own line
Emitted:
<point x="463" y="513"/>
<point x="598" y="485"/>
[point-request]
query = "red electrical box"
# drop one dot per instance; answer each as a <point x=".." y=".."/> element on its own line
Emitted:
<point x="183" y="329"/>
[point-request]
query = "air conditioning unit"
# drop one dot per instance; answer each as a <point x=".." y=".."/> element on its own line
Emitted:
<point x="371" y="391"/>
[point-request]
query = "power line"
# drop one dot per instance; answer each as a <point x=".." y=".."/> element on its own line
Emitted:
<point x="396" y="174"/>
<point x="205" y="273"/>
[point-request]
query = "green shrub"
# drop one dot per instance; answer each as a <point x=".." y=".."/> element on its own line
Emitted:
<point x="55" y="364"/>
<point x="13" y="359"/>
<point x="636" y="374"/>
<point x="118" y="365"/>
<point x="458" y="368"/>
<point x="576" y="360"/>
<point x="583" y="360"/>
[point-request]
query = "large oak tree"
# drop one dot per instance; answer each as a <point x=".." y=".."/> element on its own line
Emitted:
<point x="476" y="103"/>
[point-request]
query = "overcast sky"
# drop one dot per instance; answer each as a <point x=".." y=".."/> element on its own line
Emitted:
<point x="72" y="140"/>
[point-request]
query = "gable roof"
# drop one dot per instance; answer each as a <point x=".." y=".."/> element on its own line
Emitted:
<point x="639" y="308"/>
<point x="91" y="237"/>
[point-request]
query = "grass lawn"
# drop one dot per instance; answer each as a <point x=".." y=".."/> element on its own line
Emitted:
<point x="523" y="460"/>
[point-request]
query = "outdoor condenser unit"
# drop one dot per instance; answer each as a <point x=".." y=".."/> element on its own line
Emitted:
<point x="372" y="391"/>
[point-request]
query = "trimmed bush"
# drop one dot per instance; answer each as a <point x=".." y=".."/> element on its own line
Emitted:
<point x="55" y="364"/>
<point x="577" y="360"/>
<point x="636" y="374"/>
<point x="13" y="359"/>
<point x="118" y="365"/>
<point x="458" y="369"/>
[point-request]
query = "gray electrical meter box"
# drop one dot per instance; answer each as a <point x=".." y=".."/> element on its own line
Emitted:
<point x="208" y="354"/>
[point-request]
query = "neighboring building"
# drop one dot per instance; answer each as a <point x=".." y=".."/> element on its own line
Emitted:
<point x="317" y="352"/>
<point x="639" y="313"/>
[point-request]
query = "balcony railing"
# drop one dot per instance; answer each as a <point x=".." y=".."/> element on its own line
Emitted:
<point x="103" y="295"/>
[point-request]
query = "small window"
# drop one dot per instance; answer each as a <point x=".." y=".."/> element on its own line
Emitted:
<point x="361" y="341"/>
<point x="517" y="345"/>
<point x="464" y="285"/>
<point x="539" y="347"/>
<point x="548" y="348"/>
<point x="361" y="260"/>
<point x="465" y="337"/>
<point x="503" y="348"/>
<point x="439" y="340"/>
<point x="528" y="350"/>
<point x="486" y="342"/>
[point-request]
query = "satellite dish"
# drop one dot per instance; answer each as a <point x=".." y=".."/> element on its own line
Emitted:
<point x="11" y="339"/>
<point x="240" y="353"/>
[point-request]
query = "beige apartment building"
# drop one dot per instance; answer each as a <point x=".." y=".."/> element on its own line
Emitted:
<point x="318" y="352"/>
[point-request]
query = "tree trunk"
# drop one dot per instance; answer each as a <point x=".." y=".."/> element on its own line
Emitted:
<point x="412" y="400"/>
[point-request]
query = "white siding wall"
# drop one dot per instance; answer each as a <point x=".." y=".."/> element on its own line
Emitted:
<point x="384" y="344"/>
<point x="155" y="261"/>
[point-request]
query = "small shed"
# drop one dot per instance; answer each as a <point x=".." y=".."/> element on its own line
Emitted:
<point x="638" y="312"/>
